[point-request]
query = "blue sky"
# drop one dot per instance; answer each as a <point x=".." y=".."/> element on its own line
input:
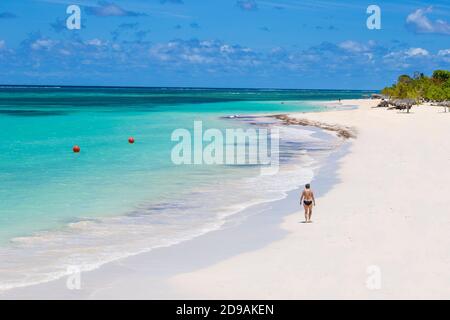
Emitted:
<point x="221" y="43"/>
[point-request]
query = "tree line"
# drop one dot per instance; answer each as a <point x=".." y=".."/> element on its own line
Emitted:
<point x="420" y="87"/>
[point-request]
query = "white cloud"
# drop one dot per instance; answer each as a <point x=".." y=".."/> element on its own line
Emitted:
<point x="407" y="58"/>
<point x="2" y="44"/>
<point x="65" y="52"/>
<point x="211" y="52"/>
<point x="409" y="53"/>
<point x="45" y="44"/>
<point x="353" y="46"/>
<point x="444" y="53"/>
<point x="420" y="23"/>
<point x="226" y="49"/>
<point x="95" y="42"/>
<point x="416" y="52"/>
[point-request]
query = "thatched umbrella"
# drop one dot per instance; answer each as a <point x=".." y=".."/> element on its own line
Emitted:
<point x="383" y="104"/>
<point x="402" y="104"/>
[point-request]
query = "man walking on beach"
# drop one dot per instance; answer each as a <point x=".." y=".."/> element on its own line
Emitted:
<point x="308" y="201"/>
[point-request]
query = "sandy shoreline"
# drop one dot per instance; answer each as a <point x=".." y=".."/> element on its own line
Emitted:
<point x="387" y="219"/>
<point x="387" y="211"/>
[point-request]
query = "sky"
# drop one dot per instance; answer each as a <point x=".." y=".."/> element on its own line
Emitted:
<point x="222" y="43"/>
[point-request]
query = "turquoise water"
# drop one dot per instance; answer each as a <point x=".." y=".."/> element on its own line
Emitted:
<point x="51" y="196"/>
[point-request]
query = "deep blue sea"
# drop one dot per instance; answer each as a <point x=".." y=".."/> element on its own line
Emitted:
<point x="114" y="199"/>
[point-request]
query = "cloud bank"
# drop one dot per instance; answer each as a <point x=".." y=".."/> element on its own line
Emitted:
<point x="419" y="22"/>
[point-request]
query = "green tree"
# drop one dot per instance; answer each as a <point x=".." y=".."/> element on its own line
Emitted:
<point x="441" y="75"/>
<point x="404" y="79"/>
<point x="421" y="87"/>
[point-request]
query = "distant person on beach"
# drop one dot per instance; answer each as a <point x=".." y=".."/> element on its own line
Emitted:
<point x="308" y="201"/>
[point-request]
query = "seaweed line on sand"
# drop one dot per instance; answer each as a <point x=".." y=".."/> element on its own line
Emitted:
<point x="341" y="131"/>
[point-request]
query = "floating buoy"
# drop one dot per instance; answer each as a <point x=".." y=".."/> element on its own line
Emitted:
<point x="76" y="149"/>
<point x="131" y="140"/>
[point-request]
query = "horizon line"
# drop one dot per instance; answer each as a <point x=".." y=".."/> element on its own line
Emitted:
<point x="168" y="87"/>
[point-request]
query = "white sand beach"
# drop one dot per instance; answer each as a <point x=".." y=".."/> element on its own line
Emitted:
<point x="381" y="232"/>
<point x="389" y="210"/>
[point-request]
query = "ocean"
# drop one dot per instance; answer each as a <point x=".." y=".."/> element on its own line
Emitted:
<point x="60" y="209"/>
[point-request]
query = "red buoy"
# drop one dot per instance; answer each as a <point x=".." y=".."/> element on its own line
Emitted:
<point x="76" y="149"/>
<point x="131" y="140"/>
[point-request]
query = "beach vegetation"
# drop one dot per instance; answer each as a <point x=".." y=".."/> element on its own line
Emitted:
<point x="421" y="87"/>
